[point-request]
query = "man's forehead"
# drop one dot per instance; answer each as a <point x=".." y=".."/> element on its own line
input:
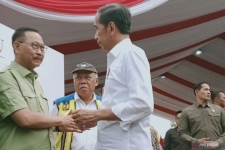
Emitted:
<point x="222" y="94"/>
<point x="33" y="37"/>
<point x="96" y="19"/>
<point x="205" y="85"/>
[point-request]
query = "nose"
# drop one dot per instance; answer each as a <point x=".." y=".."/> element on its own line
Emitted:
<point x="83" y="81"/>
<point x="95" y="37"/>
<point x="39" y="52"/>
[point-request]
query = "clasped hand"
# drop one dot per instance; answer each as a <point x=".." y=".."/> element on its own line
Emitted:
<point x="78" y="121"/>
<point x="85" y="119"/>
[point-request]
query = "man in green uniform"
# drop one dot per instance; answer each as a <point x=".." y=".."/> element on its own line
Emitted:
<point x="25" y="123"/>
<point x="203" y="124"/>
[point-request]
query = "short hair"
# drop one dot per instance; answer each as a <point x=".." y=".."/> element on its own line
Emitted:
<point x="118" y="14"/>
<point x="19" y="33"/>
<point x="215" y="94"/>
<point x="198" y="86"/>
<point x="178" y="112"/>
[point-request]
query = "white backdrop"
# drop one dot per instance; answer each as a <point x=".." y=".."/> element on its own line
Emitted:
<point x="51" y="71"/>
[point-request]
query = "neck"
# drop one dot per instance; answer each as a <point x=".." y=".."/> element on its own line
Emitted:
<point x="216" y="103"/>
<point x="87" y="98"/>
<point x="121" y="37"/>
<point x="23" y="64"/>
<point x="117" y="39"/>
<point x="202" y="102"/>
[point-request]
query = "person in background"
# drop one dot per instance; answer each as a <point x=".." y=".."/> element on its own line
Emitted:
<point x="155" y="137"/>
<point x="25" y="123"/>
<point x="85" y="79"/>
<point x="172" y="142"/>
<point x="124" y="117"/>
<point x="203" y="122"/>
<point x="218" y="98"/>
<point x="101" y="91"/>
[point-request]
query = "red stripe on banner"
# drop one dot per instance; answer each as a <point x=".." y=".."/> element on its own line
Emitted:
<point x="83" y="46"/>
<point x="79" y="7"/>
<point x="179" y="80"/>
<point x="223" y="36"/>
<point x="168" y="64"/>
<point x="155" y="89"/>
<point x="205" y="64"/>
<point x="166" y="110"/>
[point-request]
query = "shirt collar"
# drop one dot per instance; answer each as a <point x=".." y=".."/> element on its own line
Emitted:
<point x="22" y="70"/>
<point x="115" y="51"/>
<point x="200" y="105"/>
<point x="77" y="97"/>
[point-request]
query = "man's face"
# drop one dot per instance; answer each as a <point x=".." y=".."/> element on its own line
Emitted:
<point x="102" y="34"/>
<point x="204" y="93"/>
<point x="177" y="119"/>
<point x="27" y="55"/>
<point x="85" y="82"/>
<point x="221" y="99"/>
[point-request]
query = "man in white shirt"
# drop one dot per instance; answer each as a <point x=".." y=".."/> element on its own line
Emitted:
<point x="124" y="117"/>
<point x="85" y="80"/>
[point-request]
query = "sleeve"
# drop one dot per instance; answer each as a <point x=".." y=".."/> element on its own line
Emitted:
<point x="136" y="72"/>
<point x="54" y="111"/>
<point x="183" y="128"/>
<point x="222" y="137"/>
<point x="167" y="141"/>
<point x="11" y="98"/>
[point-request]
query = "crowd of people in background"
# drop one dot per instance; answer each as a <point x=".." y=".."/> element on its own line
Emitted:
<point x="200" y="125"/>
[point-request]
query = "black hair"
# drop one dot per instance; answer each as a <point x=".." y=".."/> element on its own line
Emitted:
<point x="215" y="94"/>
<point x="198" y="86"/>
<point x="178" y="112"/>
<point x="19" y="33"/>
<point x="118" y="14"/>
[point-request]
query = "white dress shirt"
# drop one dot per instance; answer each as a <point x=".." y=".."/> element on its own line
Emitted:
<point x="87" y="139"/>
<point x="128" y="92"/>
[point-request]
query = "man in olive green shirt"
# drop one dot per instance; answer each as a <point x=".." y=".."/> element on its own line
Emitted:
<point x="203" y="123"/>
<point x="218" y="98"/>
<point x="25" y="123"/>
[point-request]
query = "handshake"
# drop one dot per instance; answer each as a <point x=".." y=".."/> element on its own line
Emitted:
<point x="78" y="121"/>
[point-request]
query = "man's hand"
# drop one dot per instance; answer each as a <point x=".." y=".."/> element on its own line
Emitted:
<point x="203" y="140"/>
<point x="85" y="118"/>
<point x="68" y="124"/>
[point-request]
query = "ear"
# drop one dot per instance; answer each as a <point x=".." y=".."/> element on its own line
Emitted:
<point x="196" y="92"/>
<point x="112" y="28"/>
<point x="16" y="47"/>
<point x="96" y="84"/>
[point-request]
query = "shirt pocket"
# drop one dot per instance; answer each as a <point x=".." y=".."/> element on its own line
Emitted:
<point x="44" y="103"/>
<point x="195" y="119"/>
<point x="4" y="97"/>
<point x="31" y="100"/>
<point x="214" y="118"/>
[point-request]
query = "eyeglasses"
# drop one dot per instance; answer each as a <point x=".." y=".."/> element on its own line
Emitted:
<point x="37" y="46"/>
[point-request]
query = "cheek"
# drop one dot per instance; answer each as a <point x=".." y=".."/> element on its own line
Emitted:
<point x="76" y="85"/>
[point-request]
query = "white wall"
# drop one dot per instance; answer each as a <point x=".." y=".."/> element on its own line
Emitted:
<point x="51" y="71"/>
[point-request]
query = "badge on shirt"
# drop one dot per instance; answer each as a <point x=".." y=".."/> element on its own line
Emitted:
<point x="66" y="106"/>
